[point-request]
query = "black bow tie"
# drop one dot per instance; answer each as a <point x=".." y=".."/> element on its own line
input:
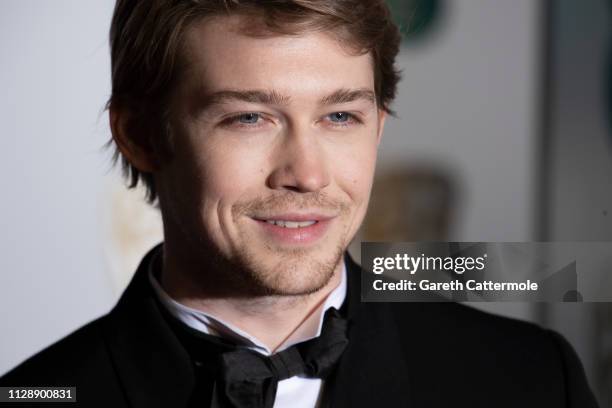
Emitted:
<point x="249" y="379"/>
<point x="244" y="378"/>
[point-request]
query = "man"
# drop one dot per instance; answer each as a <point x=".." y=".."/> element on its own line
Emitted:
<point x="256" y="125"/>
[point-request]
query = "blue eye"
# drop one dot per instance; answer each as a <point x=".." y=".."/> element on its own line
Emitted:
<point x="249" y="118"/>
<point x="339" y="117"/>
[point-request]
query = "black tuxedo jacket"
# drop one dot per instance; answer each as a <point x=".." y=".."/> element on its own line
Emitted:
<point x="412" y="355"/>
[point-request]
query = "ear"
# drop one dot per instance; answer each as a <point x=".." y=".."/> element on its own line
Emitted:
<point x="382" y="116"/>
<point x="129" y="141"/>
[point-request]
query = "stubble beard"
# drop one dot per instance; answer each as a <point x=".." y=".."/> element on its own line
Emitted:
<point x="294" y="272"/>
<point x="265" y="269"/>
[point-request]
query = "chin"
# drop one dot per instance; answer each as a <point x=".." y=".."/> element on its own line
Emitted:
<point x="296" y="272"/>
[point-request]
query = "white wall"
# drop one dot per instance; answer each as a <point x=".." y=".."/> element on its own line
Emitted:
<point x="54" y="80"/>
<point x="468" y="104"/>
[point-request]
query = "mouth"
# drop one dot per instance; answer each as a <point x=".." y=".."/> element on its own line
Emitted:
<point x="294" y="228"/>
<point x="291" y="224"/>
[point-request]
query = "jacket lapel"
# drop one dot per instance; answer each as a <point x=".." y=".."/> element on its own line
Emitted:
<point x="153" y="367"/>
<point x="372" y="371"/>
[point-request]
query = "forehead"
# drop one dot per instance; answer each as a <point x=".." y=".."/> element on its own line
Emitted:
<point x="219" y="55"/>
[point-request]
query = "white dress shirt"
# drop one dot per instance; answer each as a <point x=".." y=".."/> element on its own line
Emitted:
<point x="294" y="392"/>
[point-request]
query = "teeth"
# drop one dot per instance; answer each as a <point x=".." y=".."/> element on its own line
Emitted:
<point x="291" y="224"/>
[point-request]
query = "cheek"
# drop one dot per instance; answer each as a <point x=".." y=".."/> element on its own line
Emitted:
<point x="355" y="169"/>
<point x="356" y="176"/>
<point x="228" y="174"/>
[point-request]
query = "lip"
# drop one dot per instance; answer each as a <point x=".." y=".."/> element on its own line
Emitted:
<point x="295" y="217"/>
<point x="295" y="236"/>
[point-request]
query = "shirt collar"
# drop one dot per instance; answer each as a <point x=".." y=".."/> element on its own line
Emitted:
<point x="210" y="324"/>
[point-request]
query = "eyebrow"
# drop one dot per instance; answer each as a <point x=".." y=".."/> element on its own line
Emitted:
<point x="252" y="96"/>
<point x="349" y="95"/>
<point x="342" y="95"/>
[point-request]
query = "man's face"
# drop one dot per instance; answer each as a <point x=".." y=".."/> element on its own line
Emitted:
<point x="274" y="149"/>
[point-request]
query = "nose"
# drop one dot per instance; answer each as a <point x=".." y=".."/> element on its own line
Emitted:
<point x="299" y="163"/>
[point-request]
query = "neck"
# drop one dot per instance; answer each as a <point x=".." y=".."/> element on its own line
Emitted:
<point x="272" y="319"/>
